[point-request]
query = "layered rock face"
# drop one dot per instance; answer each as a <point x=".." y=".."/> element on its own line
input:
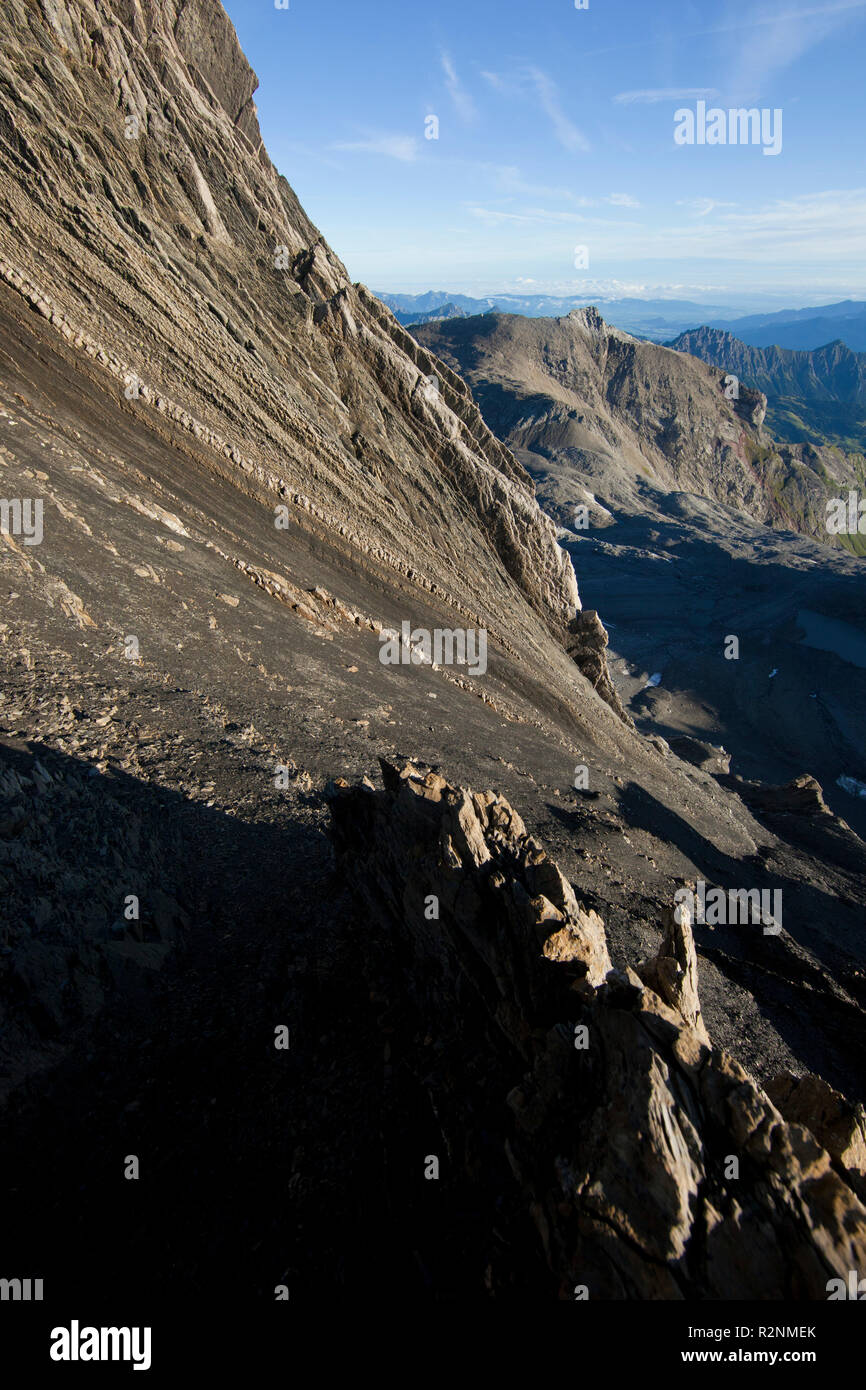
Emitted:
<point x="647" y="1162"/>
<point x="143" y="219"/>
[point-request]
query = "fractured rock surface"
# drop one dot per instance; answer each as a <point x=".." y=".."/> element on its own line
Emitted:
<point x="649" y="1163"/>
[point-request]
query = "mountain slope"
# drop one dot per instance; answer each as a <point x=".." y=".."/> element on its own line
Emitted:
<point x="183" y="258"/>
<point x="171" y="392"/>
<point x="625" y="413"/>
<point x="183" y="364"/>
<point x="667" y="492"/>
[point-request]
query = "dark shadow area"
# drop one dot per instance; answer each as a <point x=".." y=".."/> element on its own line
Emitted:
<point x="673" y="617"/>
<point x="258" y="1166"/>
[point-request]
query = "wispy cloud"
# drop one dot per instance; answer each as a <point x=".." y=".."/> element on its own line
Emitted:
<point x="402" y="147"/>
<point x="769" y="16"/>
<point x="650" y="95"/>
<point x="807" y="230"/>
<point x="564" y="129"/>
<point x="702" y="207"/>
<point x="510" y="179"/>
<point x="496" y="80"/>
<point x="536" y="82"/>
<point x="538" y="216"/>
<point x="810" y="229"/>
<point x="463" y="103"/>
<point x="821" y="220"/>
<point x="788" y="35"/>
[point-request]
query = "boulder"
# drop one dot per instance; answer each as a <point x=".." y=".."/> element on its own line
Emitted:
<point x="705" y="756"/>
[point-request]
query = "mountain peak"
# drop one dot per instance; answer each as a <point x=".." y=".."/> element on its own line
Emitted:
<point x="590" y="320"/>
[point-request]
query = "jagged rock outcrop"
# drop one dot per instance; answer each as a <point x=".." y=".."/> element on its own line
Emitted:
<point x="673" y="972"/>
<point x="587" y="643"/>
<point x="802" y="796"/>
<point x="648" y="1163"/>
<point x="837" y="1124"/>
<point x="706" y="756"/>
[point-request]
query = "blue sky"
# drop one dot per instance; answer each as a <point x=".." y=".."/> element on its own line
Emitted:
<point x="556" y="131"/>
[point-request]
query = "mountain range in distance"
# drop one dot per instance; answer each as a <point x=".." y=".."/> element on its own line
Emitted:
<point x="804" y="328"/>
<point x="817" y="396"/>
<point x="575" y="398"/>
<point x="657" y="319"/>
<point x="651" y="318"/>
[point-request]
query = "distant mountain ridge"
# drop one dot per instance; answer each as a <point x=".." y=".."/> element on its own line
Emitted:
<point x="445" y="311"/>
<point x="659" y="320"/>
<point x="842" y="309"/>
<point x="656" y="319"/>
<point x="830" y="381"/>
<point x="802" y="329"/>
<point x="575" y="398"/>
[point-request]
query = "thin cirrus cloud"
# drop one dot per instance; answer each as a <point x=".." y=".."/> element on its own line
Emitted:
<point x="702" y="207"/>
<point x="650" y="95"/>
<point x="546" y="93"/>
<point x="537" y="216"/>
<point x="782" y="231"/>
<point x="564" y="129"/>
<point x="509" y="179"/>
<point x="463" y="103"/>
<point x="788" y="36"/>
<point x="497" y="82"/>
<point x="838" y="215"/>
<point x="402" y="147"/>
